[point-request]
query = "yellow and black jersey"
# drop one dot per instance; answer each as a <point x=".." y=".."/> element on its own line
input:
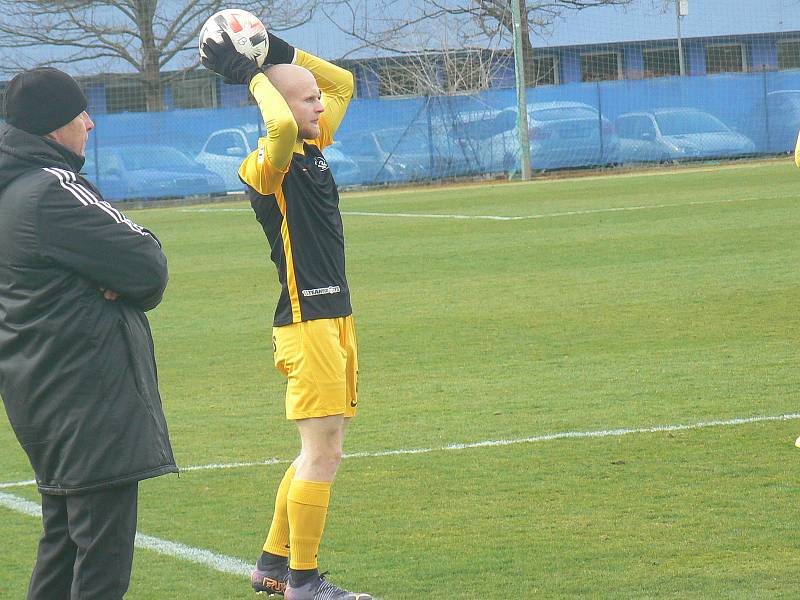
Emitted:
<point x="295" y="199"/>
<point x="797" y="151"/>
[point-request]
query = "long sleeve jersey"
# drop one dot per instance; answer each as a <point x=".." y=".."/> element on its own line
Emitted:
<point x="295" y="199"/>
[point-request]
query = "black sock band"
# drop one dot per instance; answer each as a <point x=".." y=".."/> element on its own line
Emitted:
<point x="298" y="578"/>
<point x="272" y="563"/>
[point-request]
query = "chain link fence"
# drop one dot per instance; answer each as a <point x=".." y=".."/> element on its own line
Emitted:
<point x="438" y="116"/>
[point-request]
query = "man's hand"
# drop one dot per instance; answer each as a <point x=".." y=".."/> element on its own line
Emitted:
<point x="109" y="294"/>
<point x="278" y="51"/>
<point x="224" y="60"/>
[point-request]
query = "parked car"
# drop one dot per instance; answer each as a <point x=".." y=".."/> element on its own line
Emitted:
<point x="477" y="141"/>
<point x="669" y="134"/>
<point x="149" y="171"/>
<point x="569" y="134"/>
<point x="406" y="152"/>
<point x="383" y="155"/>
<point x="560" y="135"/>
<point x="225" y="149"/>
<point x="773" y="124"/>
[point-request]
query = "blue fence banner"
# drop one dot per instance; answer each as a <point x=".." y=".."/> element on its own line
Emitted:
<point x="399" y="140"/>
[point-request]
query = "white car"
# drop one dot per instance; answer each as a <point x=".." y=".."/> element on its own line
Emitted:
<point x="225" y="149"/>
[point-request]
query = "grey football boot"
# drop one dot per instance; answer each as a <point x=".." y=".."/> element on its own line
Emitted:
<point x="322" y="589"/>
<point x="268" y="583"/>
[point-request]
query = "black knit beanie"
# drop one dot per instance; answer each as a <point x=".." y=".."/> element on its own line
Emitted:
<point x="42" y="100"/>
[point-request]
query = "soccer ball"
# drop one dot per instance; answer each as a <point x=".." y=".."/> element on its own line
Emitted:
<point x="248" y="34"/>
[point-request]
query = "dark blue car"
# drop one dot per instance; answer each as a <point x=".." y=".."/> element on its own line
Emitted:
<point x="148" y="172"/>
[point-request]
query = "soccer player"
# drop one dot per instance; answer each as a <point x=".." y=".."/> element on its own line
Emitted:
<point x="302" y="99"/>
<point x="797" y="151"/>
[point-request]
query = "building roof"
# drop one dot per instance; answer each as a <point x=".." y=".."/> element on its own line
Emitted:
<point x="642" y="20"/>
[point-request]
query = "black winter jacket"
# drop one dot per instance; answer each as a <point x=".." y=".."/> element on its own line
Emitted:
<point x="77" y="372"/>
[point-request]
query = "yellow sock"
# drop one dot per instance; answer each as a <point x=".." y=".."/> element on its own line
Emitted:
<point x="307" y="508"/>
<point x="278" y="536"/>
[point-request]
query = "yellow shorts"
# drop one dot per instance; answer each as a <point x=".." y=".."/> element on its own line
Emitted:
<point x="320" y="362"/>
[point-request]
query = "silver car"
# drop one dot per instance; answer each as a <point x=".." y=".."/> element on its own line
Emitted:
<point x="671" y="134"/>
<point x="561" y="135"/>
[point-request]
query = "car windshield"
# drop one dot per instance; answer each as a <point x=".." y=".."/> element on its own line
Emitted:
<point x="481" y="125"/>
<point x="566" y="112"/>
<point x="154" y="157"/>
<point x="688" y="122"/>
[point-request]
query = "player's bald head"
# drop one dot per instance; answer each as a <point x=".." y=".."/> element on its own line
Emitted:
<point x="300" y="90"/>
<point x="291" y="80"/>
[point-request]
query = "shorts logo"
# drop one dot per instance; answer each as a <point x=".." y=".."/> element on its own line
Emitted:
<point x="331" y="289"/>
<point x="322" y="165"/>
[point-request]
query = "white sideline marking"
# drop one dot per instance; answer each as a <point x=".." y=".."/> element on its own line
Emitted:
<point x="218" y="562"/>
<point x="436" y="216"/>
<point x="490" y="443"/>
<point x="539" y="438"/>
<point x="205" y="210"/>
<point x="214" y="466"/>
<point x="17" y="484"/>
<point x="20" y="505"/>
<point x="569" y="213"/>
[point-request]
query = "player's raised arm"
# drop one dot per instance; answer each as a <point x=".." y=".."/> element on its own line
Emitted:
<point x="279" y="121"/>
<point x="336" y="85"/>
<point x="263" y="167"/>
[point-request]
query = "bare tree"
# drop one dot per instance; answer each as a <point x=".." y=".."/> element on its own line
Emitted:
<point x="442" y="27"/>
<point x="148" y="35"/>
<point x="440" y="48"/>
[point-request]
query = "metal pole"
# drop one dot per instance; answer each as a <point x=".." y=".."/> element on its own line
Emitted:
<point x="680" y="44"/>
<point x="522" y="107"/>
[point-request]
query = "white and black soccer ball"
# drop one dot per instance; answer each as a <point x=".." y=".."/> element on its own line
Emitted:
<point x="247" y="32"/>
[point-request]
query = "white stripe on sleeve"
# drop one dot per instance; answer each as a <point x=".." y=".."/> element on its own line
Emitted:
<point x="87" y="197"/>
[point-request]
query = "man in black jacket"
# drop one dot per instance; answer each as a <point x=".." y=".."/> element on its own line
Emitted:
<point x="77" y="367"/>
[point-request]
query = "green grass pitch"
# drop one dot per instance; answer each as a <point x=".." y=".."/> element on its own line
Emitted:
<point x="631" y="301"/>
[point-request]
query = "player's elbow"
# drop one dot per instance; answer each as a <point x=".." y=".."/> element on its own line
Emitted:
<point x="350" y="85"/>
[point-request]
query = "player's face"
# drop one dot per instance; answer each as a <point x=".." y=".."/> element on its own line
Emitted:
<point x="74" y="134"/>
<point x="306" y="106"/>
